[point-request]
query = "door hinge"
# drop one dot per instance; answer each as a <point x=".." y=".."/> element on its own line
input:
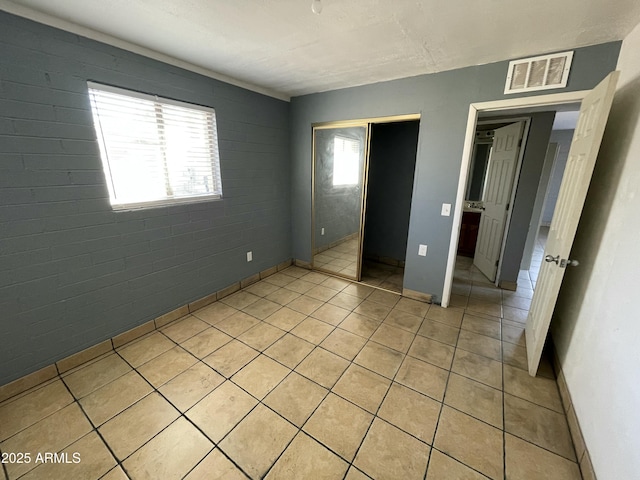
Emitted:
<point x="496" y="263"/>
<point x="520" y="143"/>
<point x="508" y="205"/>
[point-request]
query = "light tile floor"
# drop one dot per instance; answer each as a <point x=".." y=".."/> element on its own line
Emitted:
<point x="307" y="376"/>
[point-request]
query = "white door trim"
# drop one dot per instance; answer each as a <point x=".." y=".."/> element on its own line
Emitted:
<point x="474" y="109"/>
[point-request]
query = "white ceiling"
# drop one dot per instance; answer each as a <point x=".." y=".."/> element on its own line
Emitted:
<point x="281" y="48"/>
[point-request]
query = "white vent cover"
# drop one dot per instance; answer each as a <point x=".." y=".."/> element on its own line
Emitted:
<point x="538" y="73"/>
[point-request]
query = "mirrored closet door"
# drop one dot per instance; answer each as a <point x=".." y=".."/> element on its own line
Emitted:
<point x="339" y="179"/>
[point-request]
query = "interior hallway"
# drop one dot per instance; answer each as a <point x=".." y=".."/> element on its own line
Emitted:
<point x="304" y="373"/>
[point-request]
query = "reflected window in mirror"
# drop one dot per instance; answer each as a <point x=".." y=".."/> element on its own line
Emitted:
<point x="346" y="161"/>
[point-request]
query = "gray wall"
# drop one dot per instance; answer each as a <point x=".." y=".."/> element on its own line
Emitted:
<point x="563" y="139"/>
<point x="392" y="161"/>
<point x="443" y="100"/>
<point x="536" y="216"/>
<point x="72" y="271"/>
<point x="526" y="190"/>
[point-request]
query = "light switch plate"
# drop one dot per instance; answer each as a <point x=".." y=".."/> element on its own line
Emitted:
<point x="422" y="250"/>
<point x="249" y="256"/>
<point x="446" y="209"/>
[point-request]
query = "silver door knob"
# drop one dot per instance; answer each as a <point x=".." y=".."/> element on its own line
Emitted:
<point x="551" y="258"/>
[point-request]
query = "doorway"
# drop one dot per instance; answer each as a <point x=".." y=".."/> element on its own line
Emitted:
<point x="592" y="118"/>
<point x="392" y="162"/>
<point x="498" y="151"/>
<point x="499" y="108"/>
<point x="343" y="183"/>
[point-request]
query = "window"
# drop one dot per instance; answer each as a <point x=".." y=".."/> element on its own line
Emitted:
<point x="346" y="161"/>
<point x="155" y="151"/>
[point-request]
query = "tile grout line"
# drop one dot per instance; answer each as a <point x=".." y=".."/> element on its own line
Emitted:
<point x="95" y="429"/>
<point x="442" y="403"/>
<point x="330" y="391"/>
<point x="504" y="410"/>
<point x="375" y="415"/>
<point x="181" y="415"/>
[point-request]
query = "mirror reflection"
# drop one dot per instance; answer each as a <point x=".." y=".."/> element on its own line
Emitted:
<point x="339" y="156"/>
<point x="478" y="168"/>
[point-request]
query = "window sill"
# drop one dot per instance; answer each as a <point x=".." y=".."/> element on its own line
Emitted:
<point x="124" y="207"/>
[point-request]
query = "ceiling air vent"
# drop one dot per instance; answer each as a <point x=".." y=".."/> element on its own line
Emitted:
<point x="538" y="73"/>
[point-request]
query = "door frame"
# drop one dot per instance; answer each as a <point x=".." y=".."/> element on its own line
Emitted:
<point x="474" y="110"/>
<point x="359" y="122"/>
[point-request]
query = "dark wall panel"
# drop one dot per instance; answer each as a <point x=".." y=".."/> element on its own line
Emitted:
<point x="392" y="163"/>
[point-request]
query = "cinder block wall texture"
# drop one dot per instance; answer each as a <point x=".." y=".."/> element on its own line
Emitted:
<point x="72" y="271"/>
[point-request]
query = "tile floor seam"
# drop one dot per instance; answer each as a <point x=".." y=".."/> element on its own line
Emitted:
<point x="183" y="414"/>
<point x="504" y="419"/>
<point x="458" y="461"/>
<point x="287" y="446"/>
<point x="442" y="404"/>
<point x="121" y="462"/>
<point x="46" y="416"/>
<point x="541" y="447"/>
<point x="299" y="430"/>
<point x="97" y="429"/>
<point x="534" y="403"/>
<point x="321" y="442"/>
<point x="375" y="415"/>
<point x="28" y="391"/>
<point x="474" y="417"/>
<point x="94" y="428"/>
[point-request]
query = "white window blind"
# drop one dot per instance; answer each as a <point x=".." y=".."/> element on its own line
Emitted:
<point x="346" y="161"/>
<point x="154" y="150"/>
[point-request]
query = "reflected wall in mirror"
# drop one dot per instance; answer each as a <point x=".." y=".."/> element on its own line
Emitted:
<point x="478" y="168"/>
<point x="339" y="165"/>
<point x="480" y="157"/>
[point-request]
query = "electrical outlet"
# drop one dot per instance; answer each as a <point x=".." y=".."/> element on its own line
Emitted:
<point x="422" y="250"/>
<point x="446" y="209"/>
<point x="322" y="231"/>
<point x="249" y="256"/>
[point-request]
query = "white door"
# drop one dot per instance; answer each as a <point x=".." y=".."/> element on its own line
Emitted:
<point x="573" y="191"/>
<point x="497" y="192"/>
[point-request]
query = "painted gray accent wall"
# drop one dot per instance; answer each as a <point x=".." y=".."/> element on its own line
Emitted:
<point x="72" y="271"/>
<point x="526" y="191"/>
<point x="563" y="139"/>
<point x="536" y="216"/>
<point x="443" y="100"/>
<point x="392" y="161"/>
